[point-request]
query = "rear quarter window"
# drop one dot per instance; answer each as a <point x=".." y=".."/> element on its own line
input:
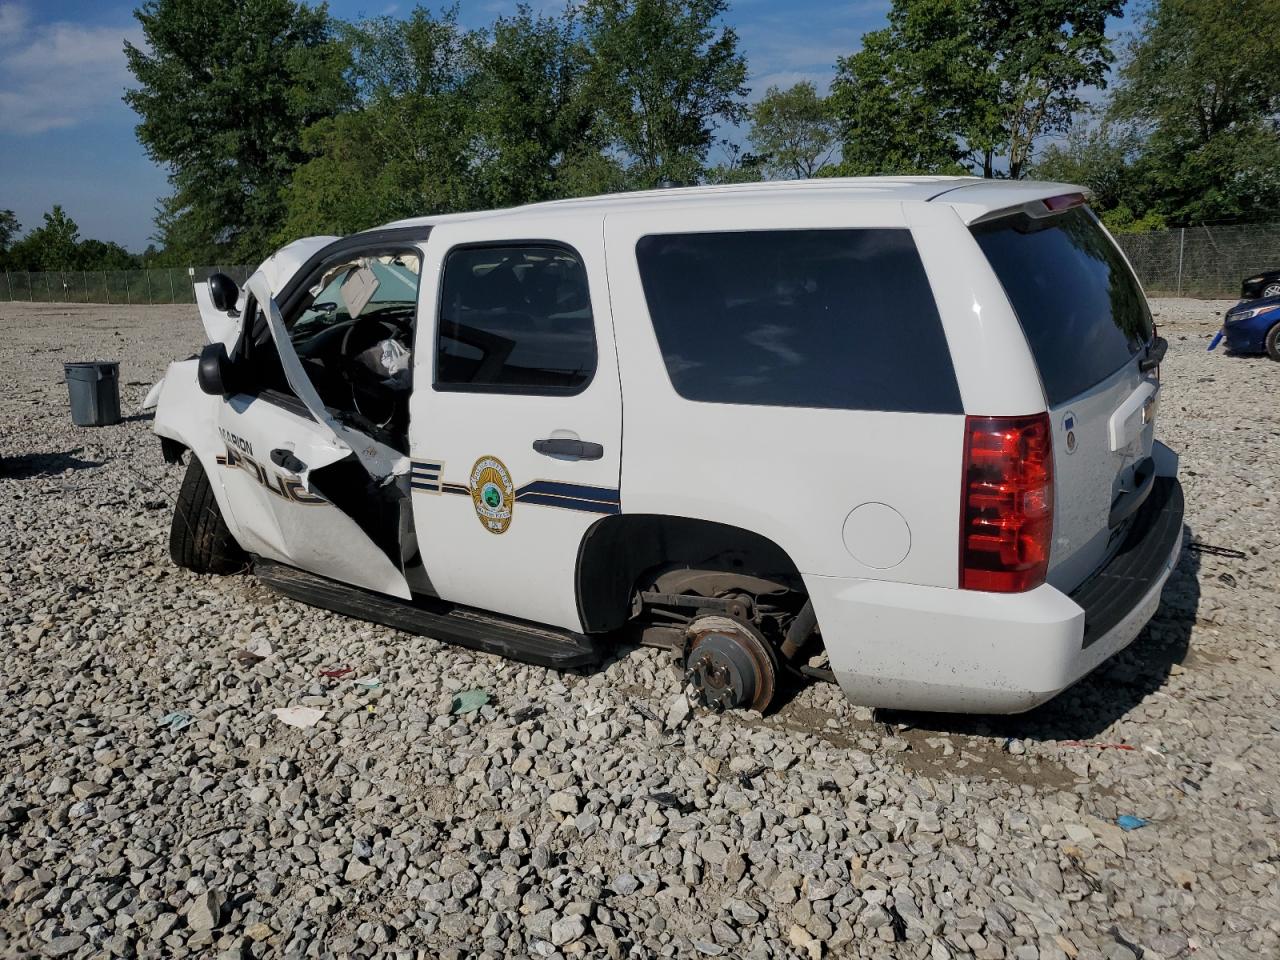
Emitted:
<point x="839" y="319"/>
<point x="1078" y="302"/>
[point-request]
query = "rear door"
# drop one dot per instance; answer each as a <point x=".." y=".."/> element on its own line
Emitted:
<point x="516" y="417"/>
<point x="1088" y="326"/>
<point x="786" y="371"/>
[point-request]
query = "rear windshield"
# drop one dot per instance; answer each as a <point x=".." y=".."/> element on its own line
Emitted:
<point x="806" y="318"/>
<point x="1077" y="300"/>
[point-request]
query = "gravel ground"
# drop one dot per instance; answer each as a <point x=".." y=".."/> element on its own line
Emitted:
<point x="561" y="820"/>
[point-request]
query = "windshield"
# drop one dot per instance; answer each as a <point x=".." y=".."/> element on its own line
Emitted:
<point x="1079" y="304"/>
<point x="360" y="288"/>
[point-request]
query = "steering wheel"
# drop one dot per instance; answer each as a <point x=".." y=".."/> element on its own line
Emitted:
<point x="372" y="398"/>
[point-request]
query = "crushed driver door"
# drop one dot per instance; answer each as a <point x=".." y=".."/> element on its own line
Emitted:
<point x="306" y="489"/>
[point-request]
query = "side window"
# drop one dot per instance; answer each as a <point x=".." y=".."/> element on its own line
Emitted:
<point x="515" y="319"/>
<point x="840" y="319"/>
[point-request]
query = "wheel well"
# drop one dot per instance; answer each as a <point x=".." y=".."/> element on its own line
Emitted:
<point x="172" y="450"/>
<point x="618" y="551"/>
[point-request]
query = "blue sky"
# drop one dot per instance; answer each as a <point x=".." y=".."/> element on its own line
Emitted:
<point x="68" y="138"/>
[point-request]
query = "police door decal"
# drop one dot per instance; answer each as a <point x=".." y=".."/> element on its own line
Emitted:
<point x="493" y="494"/>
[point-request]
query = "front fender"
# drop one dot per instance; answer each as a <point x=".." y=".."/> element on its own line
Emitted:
<point x="187" y="415"/>
<point x="184" y="412"/>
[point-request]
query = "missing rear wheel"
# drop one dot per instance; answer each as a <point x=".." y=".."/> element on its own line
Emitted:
<point x="730" y="665"/>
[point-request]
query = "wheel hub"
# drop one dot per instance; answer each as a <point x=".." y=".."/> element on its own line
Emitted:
<point x="729" y="665"/>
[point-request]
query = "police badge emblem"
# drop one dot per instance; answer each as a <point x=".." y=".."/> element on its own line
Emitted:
<point x="492" y="494"/>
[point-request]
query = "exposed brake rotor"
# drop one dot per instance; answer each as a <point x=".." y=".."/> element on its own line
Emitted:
<point x="730" y="665"/>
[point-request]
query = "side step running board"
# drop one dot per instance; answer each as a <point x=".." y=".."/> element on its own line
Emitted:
<point x="464" y="626"/>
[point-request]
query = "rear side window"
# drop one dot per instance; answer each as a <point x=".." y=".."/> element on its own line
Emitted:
<point x="841" y="319"/>
<point x="515" y="319"/>
<point x="1080" y="307"/>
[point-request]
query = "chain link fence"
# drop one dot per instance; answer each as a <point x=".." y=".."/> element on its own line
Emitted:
<point x="1199" y="261"/>
<point x="158" y="285"/>
<point x="1202" y="261"/>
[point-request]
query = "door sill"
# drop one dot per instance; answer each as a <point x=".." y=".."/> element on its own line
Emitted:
<point x="463" y="626"/>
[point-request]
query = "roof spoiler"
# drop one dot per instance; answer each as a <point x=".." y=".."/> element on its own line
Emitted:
<point x="1038" y="209"/>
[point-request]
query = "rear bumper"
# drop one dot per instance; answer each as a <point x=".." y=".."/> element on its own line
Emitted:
<point x="931" y="648"/>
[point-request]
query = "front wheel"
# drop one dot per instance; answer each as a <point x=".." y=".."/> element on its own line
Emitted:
<point x="1271" y="290"/>
<point x="1273" y="342"/>
<point x="199" y="539"/>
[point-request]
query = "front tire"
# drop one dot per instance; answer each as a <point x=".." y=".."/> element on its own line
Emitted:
<point x="1271" y="290"/>
<point x="1273" y="342"/>
<point x="199" y="539"/>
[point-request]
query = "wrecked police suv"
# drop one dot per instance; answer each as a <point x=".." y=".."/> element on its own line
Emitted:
<point x="894" y="433"/>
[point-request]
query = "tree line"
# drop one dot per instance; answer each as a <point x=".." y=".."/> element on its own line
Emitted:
<point x="276" y="120"/>
<point x="56" y="245"/>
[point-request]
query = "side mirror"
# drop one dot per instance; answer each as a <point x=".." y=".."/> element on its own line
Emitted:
<point x="223" y="292"/>
<point x="214" y="372"/>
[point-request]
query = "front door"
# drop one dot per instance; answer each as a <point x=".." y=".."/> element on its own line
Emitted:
<point x="314" y="462"/>
<point x="271" y="458"/>
<point x="516" y="418"/>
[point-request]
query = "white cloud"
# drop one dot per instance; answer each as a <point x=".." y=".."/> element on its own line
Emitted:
<point x="821" y="79"/>
<point x="13" y="20"/>
<point x="60" y="74"/>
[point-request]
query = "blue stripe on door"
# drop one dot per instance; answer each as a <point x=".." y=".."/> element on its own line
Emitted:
<point x="574" y="490"/>
<point x="425" y="476"/>
<point x="586" y="506"/>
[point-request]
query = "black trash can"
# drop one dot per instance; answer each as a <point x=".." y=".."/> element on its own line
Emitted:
<point x="95" y="393"/>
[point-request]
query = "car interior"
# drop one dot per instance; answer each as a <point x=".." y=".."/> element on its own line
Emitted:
<point x="353" y="333"/>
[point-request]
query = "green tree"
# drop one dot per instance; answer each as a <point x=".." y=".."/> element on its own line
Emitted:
<point x="52" y="245"/>
<point x="404" y="148"/>
<point x="105" y="255"/>
<point x="1200" y="88"/>
<point x="9" y="230"/>
<point x="56" y="245"/>
<point x="225" y="88"/>
<point x="739" y="166"/>
<point x="973" y="85"/>
<point x="884" y="98"/>
<point x="1100" y="156"/>
<point x="1122" y="220"/>
<point x="664" y="75"/>
<point x="446" y="119"/>
<point x="793" y="130"/>
<point x="532" y="126"/>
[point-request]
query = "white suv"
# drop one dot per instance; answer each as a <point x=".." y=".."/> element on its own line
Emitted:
<point x="907" y="421"/>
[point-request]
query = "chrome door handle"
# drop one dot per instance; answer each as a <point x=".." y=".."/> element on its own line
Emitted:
<point x="574" y="449"/>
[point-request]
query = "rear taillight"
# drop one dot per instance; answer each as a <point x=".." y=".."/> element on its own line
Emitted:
<point x="1006" y="505"/>
<point x="1063" y="201"/>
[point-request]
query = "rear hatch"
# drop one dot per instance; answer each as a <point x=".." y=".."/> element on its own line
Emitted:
<point x="1089" y="328"/>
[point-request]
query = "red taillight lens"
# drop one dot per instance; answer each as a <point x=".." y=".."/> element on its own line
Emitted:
<point x="1006" y="505"/>
<point x="1063" y="201"/>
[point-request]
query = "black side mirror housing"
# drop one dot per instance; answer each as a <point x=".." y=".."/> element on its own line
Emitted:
<point x="214" y="373"/>
<point x="223" y="292"/>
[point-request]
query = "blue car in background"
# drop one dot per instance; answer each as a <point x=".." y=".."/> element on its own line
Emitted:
<point x="1252" y="326"/>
